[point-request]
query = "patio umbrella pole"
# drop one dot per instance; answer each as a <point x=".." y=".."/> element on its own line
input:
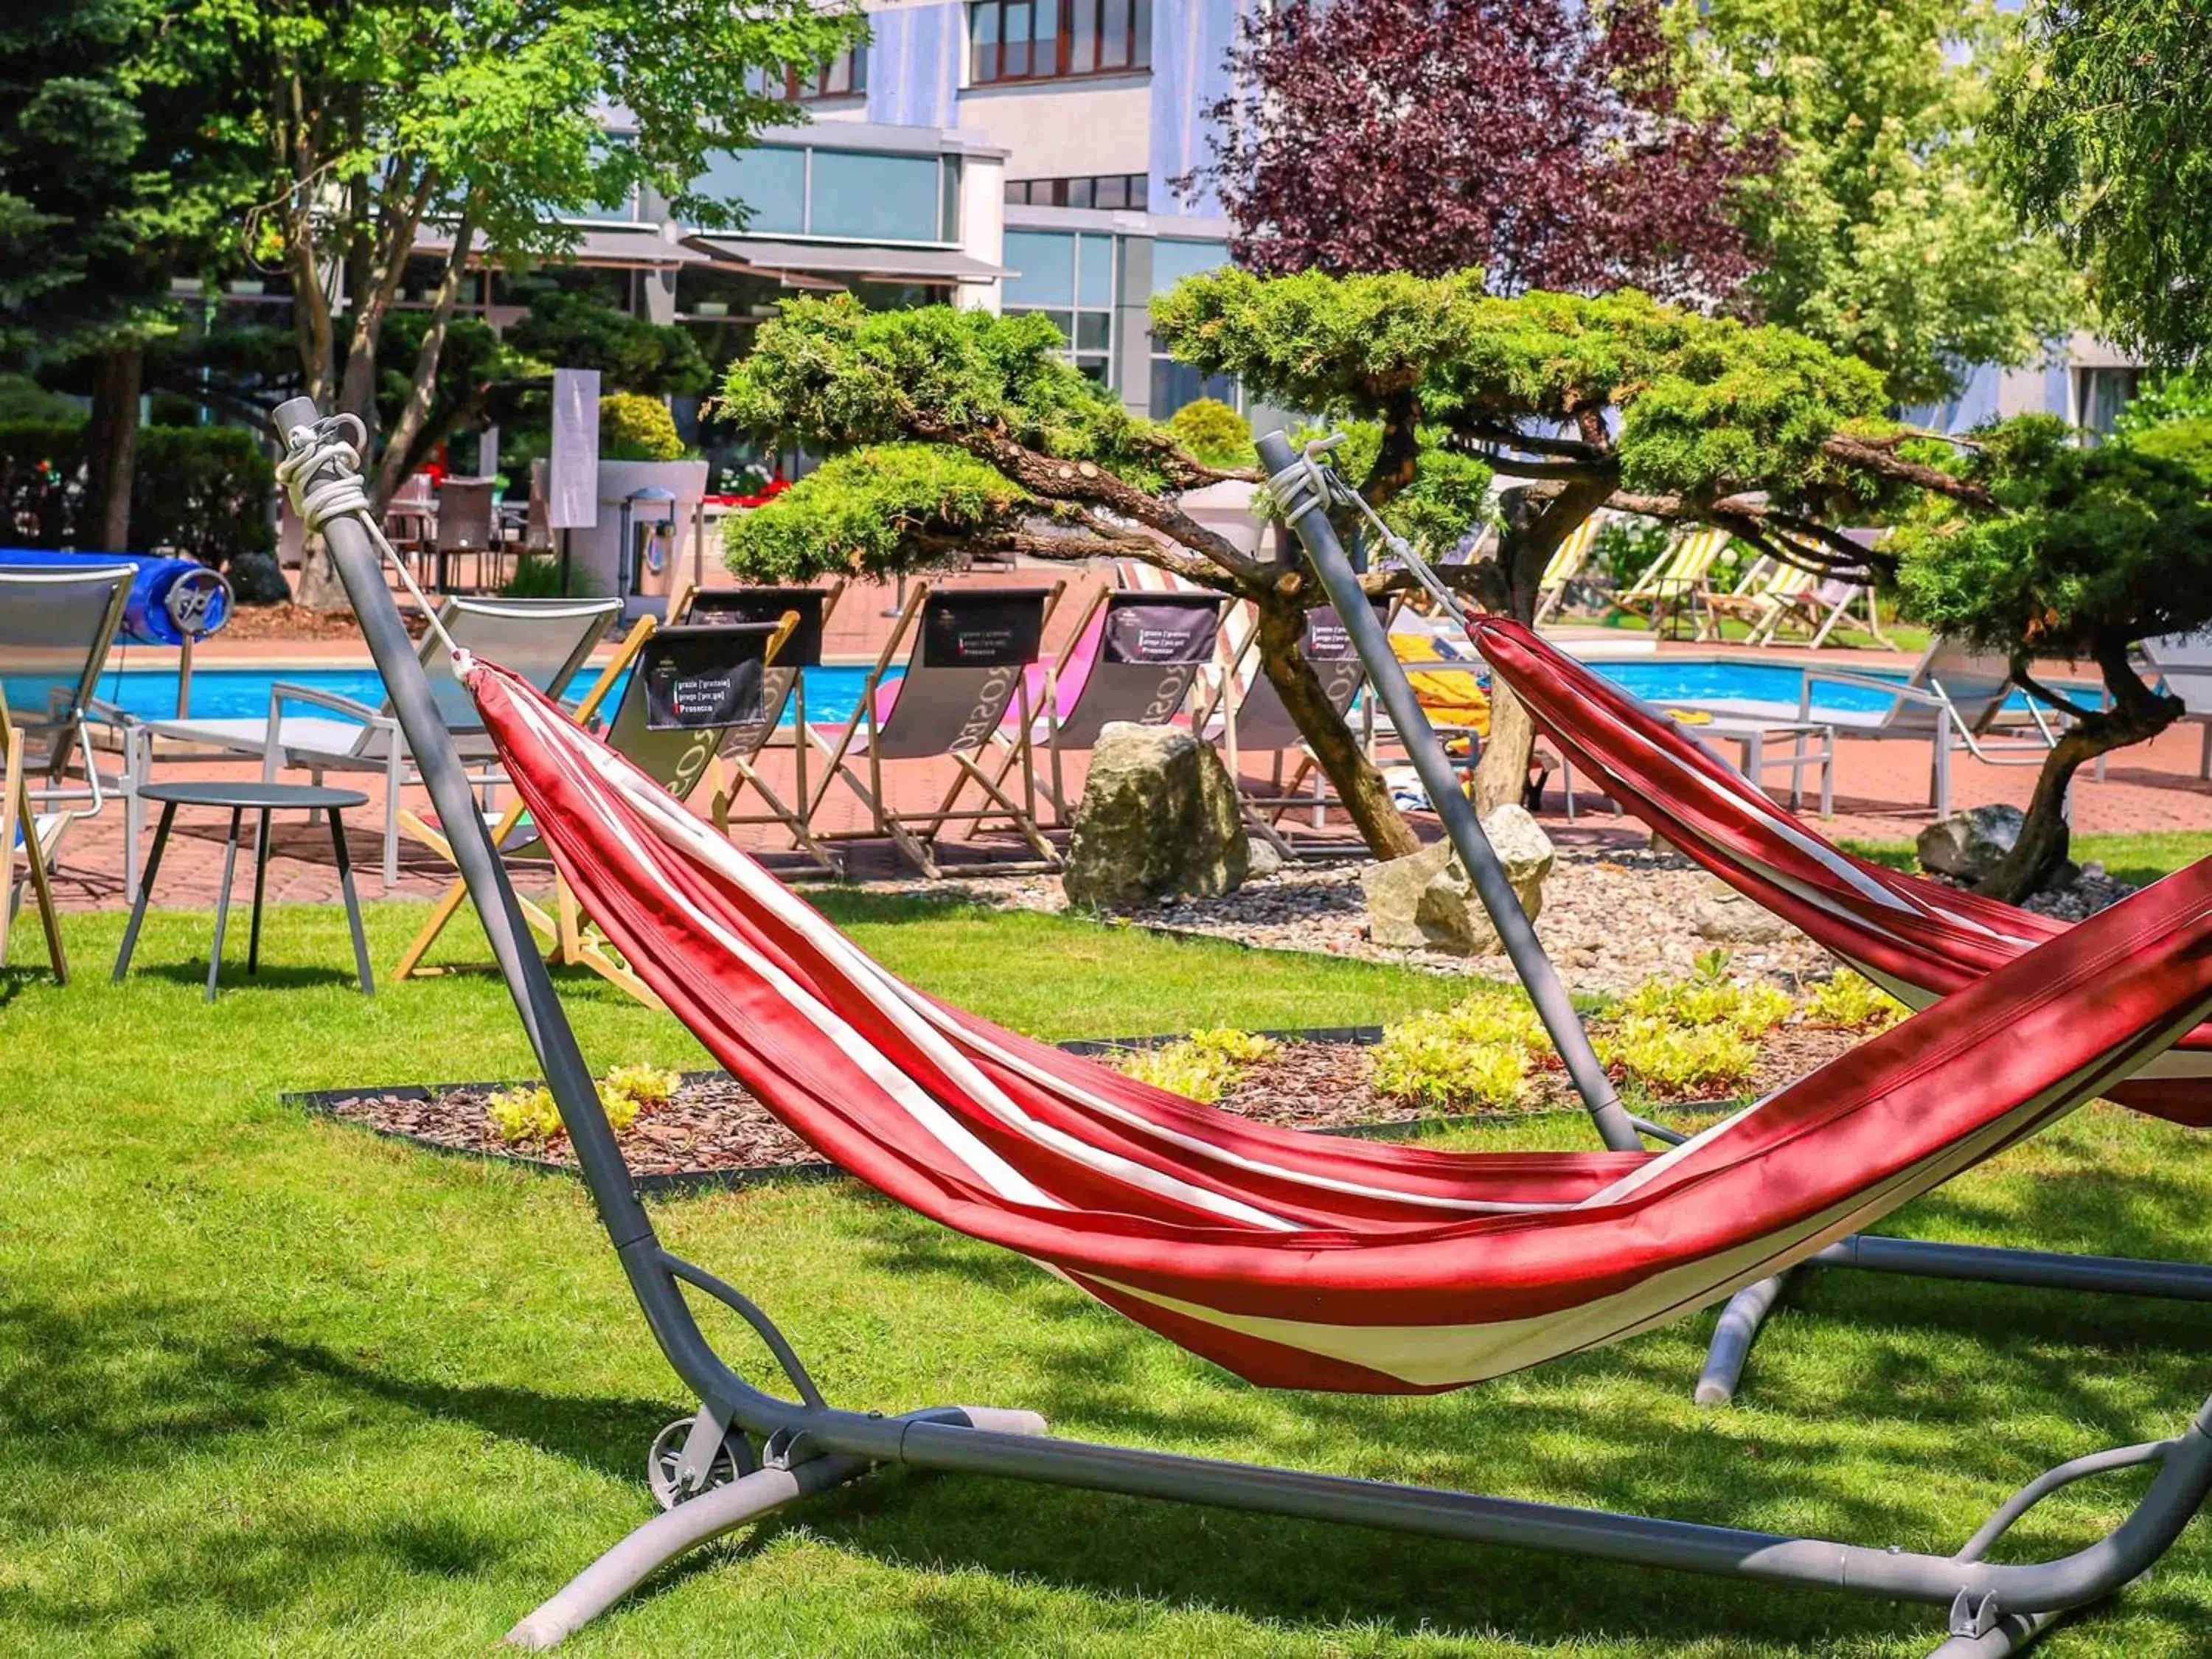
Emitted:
<point x="1301" y="496"/>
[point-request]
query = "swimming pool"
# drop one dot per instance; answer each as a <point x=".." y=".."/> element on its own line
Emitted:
<point x="243" y="693"/>
<point x="221" y="693"/>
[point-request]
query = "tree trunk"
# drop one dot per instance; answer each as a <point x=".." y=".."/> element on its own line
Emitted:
<point x="422" y="392"/>
<point x="1357" y="784"/>
<point x="112" y="450"/>
<point x="1501" y="777"/>
<point x="1524" y="549"/>
<point x="2044" y="834"/>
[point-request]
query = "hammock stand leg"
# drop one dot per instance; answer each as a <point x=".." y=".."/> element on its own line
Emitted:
<point x="1746" y="1313"/>
<point x="807" y="1433"/>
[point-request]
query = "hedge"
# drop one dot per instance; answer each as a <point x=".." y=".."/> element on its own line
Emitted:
<point x="199" y="490"/>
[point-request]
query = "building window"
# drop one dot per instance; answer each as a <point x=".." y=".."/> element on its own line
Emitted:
<point x="1070" y="278"/>
<point x="2099" y="395"/>
<point x="1112" y="190"/>
<point x="845" y="75"/>
<point x="855" y="194"/>
<point x="1046" y="39"/>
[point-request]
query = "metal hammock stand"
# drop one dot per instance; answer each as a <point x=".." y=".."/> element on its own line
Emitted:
<point x="748" y="1451"/>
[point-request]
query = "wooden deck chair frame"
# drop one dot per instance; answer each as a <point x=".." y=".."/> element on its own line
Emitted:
<point x="1680" y="580"/>
<point x="1164" y="706"/>
<point x="570" y="939"/>
<point x="16" y="812"/>
<point x="1565" y="567"/>
<point x="748" y="1451"/>
<point x="737" y="770"/>
<point x="916" y="834"/>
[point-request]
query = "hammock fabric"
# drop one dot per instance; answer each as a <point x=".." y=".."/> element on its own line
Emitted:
<point x="1916" y="938"/>
<point x="1304" y="1260"/>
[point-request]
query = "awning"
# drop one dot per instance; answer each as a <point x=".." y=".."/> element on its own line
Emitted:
<point x="600" y="245"/>
<point x="896" y="264"/>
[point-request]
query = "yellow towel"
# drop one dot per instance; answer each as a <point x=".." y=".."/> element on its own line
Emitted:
<point x="1690" y="716"/>
<point x="1450" y="699"/>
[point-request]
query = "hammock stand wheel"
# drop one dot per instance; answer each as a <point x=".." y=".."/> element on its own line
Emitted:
<point x="787" y="1448"/>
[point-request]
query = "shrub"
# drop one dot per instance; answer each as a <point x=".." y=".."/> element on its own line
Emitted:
<point x="204" y="491"/>
<point x="1668" y="1059"/>
<point x="1203" y="1066"/>
<point x="635" y="428"/>
<point x="524" y="1114"/>
<point x="537" y="576"/>
<point x="1472" y="1055"/>
<point x="256" y="579"/>
<point x="1428" y="1061"/>
<point x="1749" y="1009"/>
<point x="1214" y="432"/>
<point x="1854" y="1002"/>
<point x="648" y="1086"/>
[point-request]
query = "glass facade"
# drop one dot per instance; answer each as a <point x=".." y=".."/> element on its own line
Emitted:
<point x="1176" y="384"/>
<point x="1055" y="39"/>
<point x="1069" y="276"/>
<point x="855" y="194"/>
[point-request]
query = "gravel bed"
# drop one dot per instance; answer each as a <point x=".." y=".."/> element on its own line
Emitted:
<point x="1612" y="919"/>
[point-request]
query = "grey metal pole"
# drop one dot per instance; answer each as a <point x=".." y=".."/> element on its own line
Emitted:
<point x="1308" y="520"/>
<point x="566" y="1074"/>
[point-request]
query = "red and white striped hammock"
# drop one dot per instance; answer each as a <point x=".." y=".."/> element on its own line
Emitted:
<point x="1304" y="1260"/>
<point x="1917" y="939"/>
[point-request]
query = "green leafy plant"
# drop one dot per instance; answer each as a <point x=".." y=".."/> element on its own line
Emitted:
<point x="635" y="428"/>
<point x="1475" y="1053"/>
<point x="1700" y="1002"/>
<point x="536" y="576"/>
<point x="1668" y="1059"/>
<point x="524" y="1113"/>
<point x="1203" y="1066"/>
<point x="647" y="1084"/>
<point x="1854" y="1002"/>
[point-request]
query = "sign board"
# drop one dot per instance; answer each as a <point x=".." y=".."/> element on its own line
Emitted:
<point x="1160" y="628"/>
<point x="703" y="678"/>
<point x="982" y="627"/>
<point x="572" y="486"/>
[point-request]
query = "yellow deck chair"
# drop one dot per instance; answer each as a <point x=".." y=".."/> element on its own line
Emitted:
<point x="1680" y="580"/>
<point x="1565" y="566"/>
<point x="38" y="833"/>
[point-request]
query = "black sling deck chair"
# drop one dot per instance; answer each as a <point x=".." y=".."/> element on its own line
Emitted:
<point x="748" y="1451"/>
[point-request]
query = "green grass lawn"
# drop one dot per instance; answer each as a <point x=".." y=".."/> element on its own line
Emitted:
<point x="273" y="1386"/>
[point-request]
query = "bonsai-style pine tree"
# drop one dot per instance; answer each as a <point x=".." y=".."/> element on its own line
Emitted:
<point x="951" y="432"/>
<point x="2079" y="553"/>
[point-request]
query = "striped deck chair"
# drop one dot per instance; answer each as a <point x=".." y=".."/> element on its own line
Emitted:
<point x="1818" y="605"/>
<point x="1679" y="580"/>
<point x="1565" y="565"/>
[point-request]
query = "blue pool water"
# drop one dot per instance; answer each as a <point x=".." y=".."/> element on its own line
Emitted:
<point x="243" y="693"/>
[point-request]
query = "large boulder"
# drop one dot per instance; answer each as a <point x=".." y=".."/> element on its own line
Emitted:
<point x="1727" y="917"/>
<point x="1967" y="846"/>
<point x="1425" y="901"/>
<point x="1159" y="816"/>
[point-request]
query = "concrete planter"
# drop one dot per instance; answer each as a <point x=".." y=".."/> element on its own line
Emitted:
<point x="595" y="554"/>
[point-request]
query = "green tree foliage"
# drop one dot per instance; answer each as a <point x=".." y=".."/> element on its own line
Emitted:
<point x="2080" y="552"/>
<point x="958" y="430"/>
<point x="1882" y="230"/>
<point x="122" y="164"/>
<point x="2104" y="136"/>
<point x="388" y="121"/>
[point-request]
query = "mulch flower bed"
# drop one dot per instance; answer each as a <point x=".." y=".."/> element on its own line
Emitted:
<point x="714" y="1132"/>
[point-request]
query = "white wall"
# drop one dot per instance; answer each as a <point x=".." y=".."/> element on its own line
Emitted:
<point x="1065" y="130"/>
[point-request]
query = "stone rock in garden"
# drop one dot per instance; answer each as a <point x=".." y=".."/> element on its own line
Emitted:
<point x="1425" y="901"/>
<point x="256" y="579"/>
<point x="1159" y="816"/>
<point x="1265" y="860"/>
<point x="1727" y="917"/>
<point x="1966" y="846"/>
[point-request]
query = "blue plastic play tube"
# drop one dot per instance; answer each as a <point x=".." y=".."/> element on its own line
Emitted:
<point x="171" y="600"/>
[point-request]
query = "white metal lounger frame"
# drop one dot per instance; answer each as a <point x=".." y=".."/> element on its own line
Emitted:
<point x="747" y="1451"/>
